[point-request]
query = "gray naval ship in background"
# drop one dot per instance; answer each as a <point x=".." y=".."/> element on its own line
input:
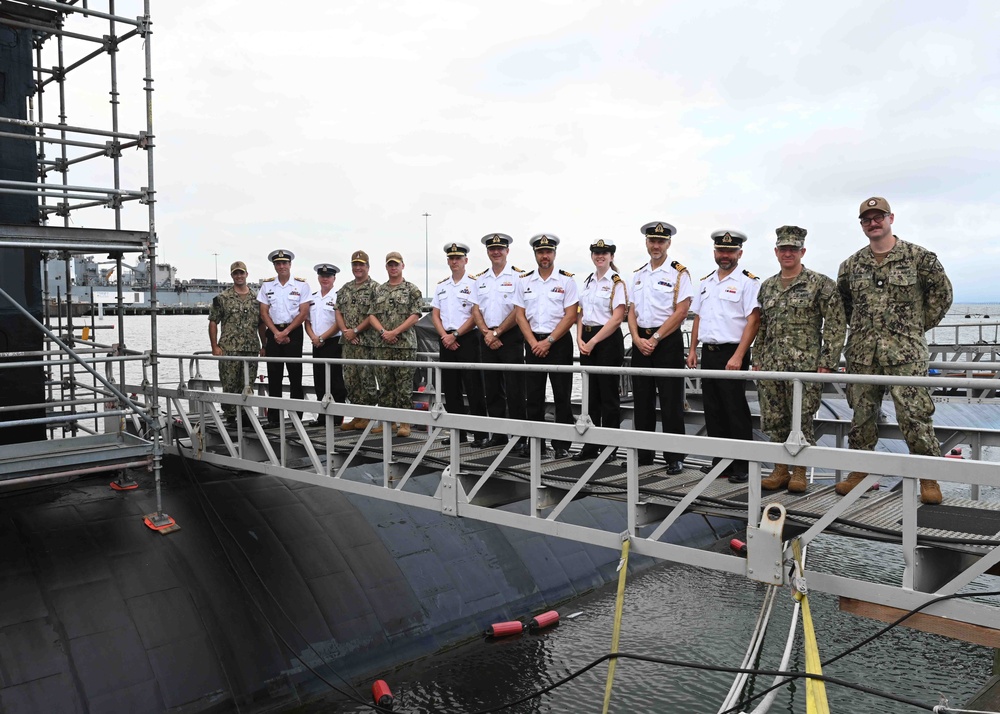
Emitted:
<point x="91" y="286"/>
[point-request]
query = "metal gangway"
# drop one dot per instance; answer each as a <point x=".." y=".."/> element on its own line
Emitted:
<point x="943" y="549"/>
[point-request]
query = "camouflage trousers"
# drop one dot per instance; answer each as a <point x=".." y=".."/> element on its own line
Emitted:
<point x="360" y="378"/>
<point x="395" y="383"/>
<point x="231" y="376"/>
<point x="914" y="409"/>
<point x="776" y="409"/>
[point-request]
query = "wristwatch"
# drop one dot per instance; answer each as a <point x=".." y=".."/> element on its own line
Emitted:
<point x="551" y="340"/>
<point x="455" y="333"/>
<point x="656" y="336"/>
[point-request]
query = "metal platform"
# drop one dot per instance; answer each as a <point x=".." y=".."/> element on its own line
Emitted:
<point x="77" y="456"/>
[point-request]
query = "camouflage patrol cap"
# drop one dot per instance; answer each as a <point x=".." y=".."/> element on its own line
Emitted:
<point x="875" y="203"/>
<point x="658" y="229"/>
<point x="394" y="257"/>
<point x="729" y="240"/>
<point x="791" y="235"/>
<point x="238" y="265"/>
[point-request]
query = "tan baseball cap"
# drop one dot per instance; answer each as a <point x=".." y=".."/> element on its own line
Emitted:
<point x="875" y="203"/>
<point x="359" y="257"/>
<point x="238" y="265"/>
<point x="394" y="257"/>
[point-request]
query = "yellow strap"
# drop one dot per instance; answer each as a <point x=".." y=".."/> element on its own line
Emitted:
<point x="815" y="689"/>
<point x="619" y="603"/>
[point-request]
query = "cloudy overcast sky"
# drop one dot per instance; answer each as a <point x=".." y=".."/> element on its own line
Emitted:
<point x="327" y="127"/>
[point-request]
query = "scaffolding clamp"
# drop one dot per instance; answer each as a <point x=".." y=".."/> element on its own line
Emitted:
<point x="142" y="25"/>
<point x="112" y="149"/>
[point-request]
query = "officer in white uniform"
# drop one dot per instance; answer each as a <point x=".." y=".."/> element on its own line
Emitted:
<point x="546" y="304"/>
<point x="284" y="306"/>
<point x="603" y="302"/>
<point x="727" y="317"/>
<point x="451" y="313"/>
<point x="501" y="339"/>
<point x="323" y="332"/>
<point x="660" y="294"/>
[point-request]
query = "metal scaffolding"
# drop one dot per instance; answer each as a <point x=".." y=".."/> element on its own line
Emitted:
<point x="72" y="43"/>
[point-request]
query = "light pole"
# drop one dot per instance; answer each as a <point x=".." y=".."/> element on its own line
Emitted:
<point x="216" y="268"/>
<point x="427" y="260"/>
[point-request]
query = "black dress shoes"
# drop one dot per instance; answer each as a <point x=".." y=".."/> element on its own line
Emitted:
<point x="480" y="443"/>
<point x="522" y="450"/>
<point x="674" y="467"/>
<point x="561" y="454"/>
<point x="586" y="454"/>
<point x="738" y="478"/>
<point x="495" y="440"/>
<point x="706" y="468"/>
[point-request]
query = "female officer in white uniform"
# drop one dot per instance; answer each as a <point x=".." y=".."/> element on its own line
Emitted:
<point x="600" y="339"/>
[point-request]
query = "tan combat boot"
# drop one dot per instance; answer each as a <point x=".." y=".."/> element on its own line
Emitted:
<point x="798" y="482"/>
<point x="403" y="430"/>
<point x="355" y="424"/>
<point x="930" y="492"/>
<point x="778" y="478"/>
<point x="377" y="429"/>
<point x="853" y="479"/>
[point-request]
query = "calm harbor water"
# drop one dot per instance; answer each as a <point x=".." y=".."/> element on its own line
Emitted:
<point x="672" y="612"/>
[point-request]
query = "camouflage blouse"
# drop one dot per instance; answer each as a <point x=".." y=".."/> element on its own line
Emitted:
<point x="891" y="306"/>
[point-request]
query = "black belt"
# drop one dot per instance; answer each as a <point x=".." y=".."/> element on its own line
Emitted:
<point x="282" y="326"/>
<point x="592" y="328"/>
<point x="721" y="347"/>
<point x="647" y="331"/>
<point x="543" y="335"/>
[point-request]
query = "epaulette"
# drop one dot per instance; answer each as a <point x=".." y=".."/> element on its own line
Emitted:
<point x="677" y="266"/>
<point x="443" y="281"/>
<point x="267" y="280"/>
<point x="301" y="280"/>
<point x="479" y="275"/>
<point x="530" y="272"/>
<point x="616" y="278"/>
<point x="708" y="276"/>
<point x="750" y="275"/>
<point x="517" y="269"/>
<point x="568" y="275"/>
<point x="586" y="282"/>
<point x="640" y="267"/>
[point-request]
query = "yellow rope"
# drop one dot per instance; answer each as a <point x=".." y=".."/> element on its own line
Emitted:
<point x="619" y="604"/>
<point x="815" y="689"/>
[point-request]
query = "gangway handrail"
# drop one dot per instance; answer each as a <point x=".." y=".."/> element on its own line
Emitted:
<point x="452" y="496"/>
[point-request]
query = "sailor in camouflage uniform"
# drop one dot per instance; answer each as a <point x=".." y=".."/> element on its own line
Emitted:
<point x="354" y="306"/>
<point x="802" y="329"/>
<point x="236" y="308"/>
<point x="395" y="311"/>
<point x="893" y="293"/>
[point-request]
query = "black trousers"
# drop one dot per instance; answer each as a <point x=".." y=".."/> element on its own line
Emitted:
<point x="330" y="349"/>
<point x="456" y="381"/>
<point x="604" y="400"/>
<point x="727" y="413"/>
<point x="562" y="384"/>
<point x="669" y="391"/>
<point x="504" y="390"/>
<point x="276" y="370"/>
